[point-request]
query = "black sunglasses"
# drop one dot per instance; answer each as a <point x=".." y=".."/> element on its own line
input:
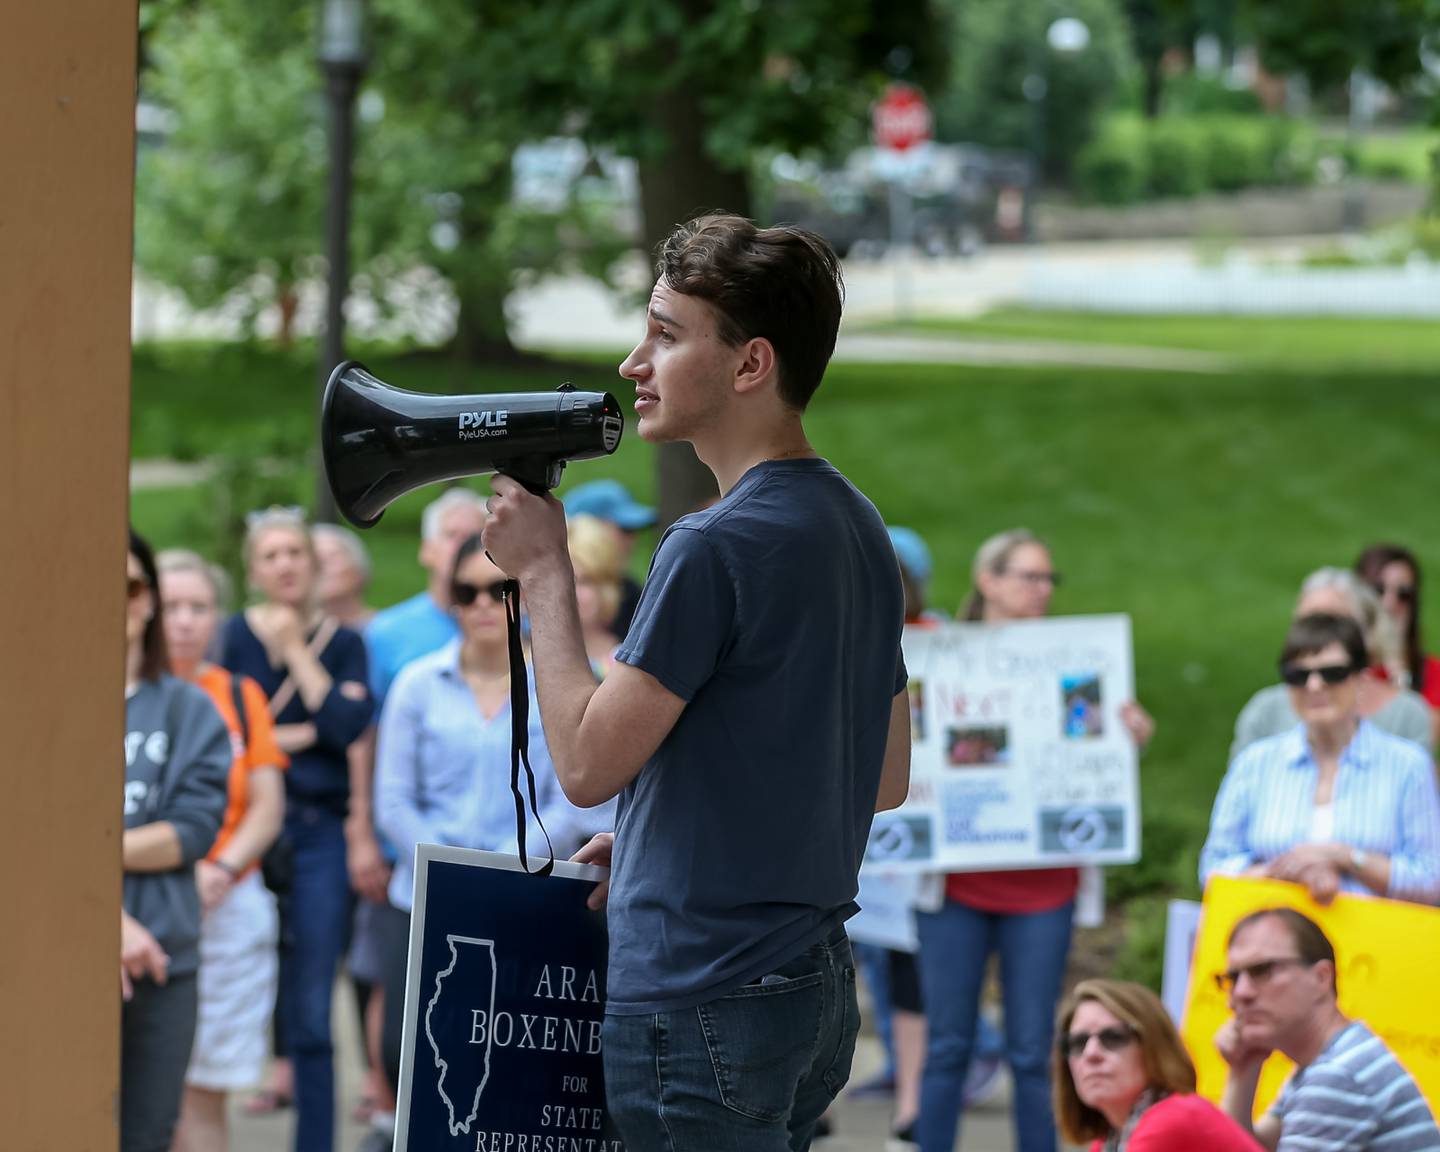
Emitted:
<point x="1111" y="1039"/>
<point x="465" y="594"/>
<point x="1298" y="677"/>
<point x="1259" y="972"/>
<point x="1405" y="593"/>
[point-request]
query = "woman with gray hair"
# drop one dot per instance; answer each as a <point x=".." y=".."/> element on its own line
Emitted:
<point x="344" y="575"/>
<point x="1389" y="706"/>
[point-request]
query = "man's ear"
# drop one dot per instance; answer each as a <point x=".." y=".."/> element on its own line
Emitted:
<point x="423" y="555"/>
<point x="758" y="366"/>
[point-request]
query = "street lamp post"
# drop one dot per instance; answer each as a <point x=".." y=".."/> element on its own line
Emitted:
<point x="1067" y="36"/>
<point x="342" y="59"/>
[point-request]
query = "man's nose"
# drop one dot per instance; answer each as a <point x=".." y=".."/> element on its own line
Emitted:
<point x="633" y="367"/>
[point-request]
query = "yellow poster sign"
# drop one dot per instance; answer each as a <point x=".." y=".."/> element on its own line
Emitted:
<point x="1386" y="954"/>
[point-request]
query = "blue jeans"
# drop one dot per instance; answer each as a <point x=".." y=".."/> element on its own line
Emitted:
<point x="320" y="903"/>
<point x="874" y="963"/>
<point x="749" y="1072"/>
<point x="955" y="944"/>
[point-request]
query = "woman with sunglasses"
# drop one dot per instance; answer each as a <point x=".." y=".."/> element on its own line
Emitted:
<point x="177" y="759"/>
<point x="1388" y="704"/>
<point x="1025" y="916"/>
<point x="442" y="764"/>
<point x="1124" y="1081"/>
<point x="1335" y="803"/>
<point x="1394" y="573"/>
<point x="313" y="672"/>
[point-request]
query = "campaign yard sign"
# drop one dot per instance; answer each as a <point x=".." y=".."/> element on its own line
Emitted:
<point x="504" y="1005"/>
<point x="1019" y="757"/>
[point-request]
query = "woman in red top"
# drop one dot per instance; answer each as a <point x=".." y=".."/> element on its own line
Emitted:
<point x="1124" y="1081"/>
<point x="1394" y="573"/>
<point x="1023" y="916"/>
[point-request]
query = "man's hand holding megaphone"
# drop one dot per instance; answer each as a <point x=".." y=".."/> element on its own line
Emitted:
<point x="525" y="534"/>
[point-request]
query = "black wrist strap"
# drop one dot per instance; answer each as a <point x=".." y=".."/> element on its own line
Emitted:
<point x="520" y="734"/>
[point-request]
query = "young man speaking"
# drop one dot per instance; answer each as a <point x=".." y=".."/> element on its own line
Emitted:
<point x="756" y="718"/>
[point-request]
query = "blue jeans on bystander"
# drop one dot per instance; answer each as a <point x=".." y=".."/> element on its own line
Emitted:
<point x="955" y="946"/>
<point x="752" y="1071"/>
<point x="320" y="904"/>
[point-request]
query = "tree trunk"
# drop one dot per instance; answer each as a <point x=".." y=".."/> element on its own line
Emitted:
<point x="481" y="332"/>
<point x="1154" y="86"/>
<point x="676" y="185"/>
<point x="481" y="277"/>
<point x="289" y="303"/>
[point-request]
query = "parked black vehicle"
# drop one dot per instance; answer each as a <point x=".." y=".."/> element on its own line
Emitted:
<point x="961" y="197"/>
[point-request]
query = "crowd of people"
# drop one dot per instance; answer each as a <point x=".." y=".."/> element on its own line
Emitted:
<point x="283" y="762"/>
<point x="294" y="753"/>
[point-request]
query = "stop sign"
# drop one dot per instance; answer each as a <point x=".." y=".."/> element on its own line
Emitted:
<point x="901" y="118"/>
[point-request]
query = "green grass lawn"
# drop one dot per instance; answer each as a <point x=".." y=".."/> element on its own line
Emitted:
<point x="1194" y="503"/>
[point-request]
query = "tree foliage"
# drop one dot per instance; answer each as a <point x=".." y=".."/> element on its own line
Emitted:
<point x="234" y="198"/>
<point x="1325" y="40"/>
<point x="998" y="43"/>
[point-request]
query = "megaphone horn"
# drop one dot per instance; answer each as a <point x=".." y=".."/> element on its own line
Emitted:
<point x="380" y="442"/>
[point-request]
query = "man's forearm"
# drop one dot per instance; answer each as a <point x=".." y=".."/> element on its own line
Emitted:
<point x="1238" y="1099"/>
<point x="564" y="681"/>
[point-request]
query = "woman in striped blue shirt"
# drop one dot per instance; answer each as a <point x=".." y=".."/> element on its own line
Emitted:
<point x="1334" y="803"/>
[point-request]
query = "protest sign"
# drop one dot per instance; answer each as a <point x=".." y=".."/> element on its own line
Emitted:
<point x="887" y="911"/>
<point x="1182" y="930"/>
<point x="504" y="1004"/>
<point x="1384" y="952"/>
<point x="1019" y="758"/>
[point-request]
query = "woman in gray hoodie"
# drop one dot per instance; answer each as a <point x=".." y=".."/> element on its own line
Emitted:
<point x="177" y="760"/>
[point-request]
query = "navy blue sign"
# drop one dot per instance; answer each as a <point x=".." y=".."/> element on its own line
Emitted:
<point x="504" y="1006"/>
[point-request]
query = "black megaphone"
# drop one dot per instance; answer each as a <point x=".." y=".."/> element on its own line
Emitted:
<point x="379" y="442"/>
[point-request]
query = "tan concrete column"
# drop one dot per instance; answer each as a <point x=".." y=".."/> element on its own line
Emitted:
<point x="67" y="143"/>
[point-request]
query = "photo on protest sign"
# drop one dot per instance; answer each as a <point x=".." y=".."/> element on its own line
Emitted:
<point x="977" y="745"/>
<point x="1019" y="758"/>
<point x="1082" y="711"/>
<point x="504" y="1006"/>
<point x="903" y="838"/>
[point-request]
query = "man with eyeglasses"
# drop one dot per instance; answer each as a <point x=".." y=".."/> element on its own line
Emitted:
<point x="1348" y="1090"/>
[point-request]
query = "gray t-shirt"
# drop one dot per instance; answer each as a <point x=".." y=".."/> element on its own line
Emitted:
<point x="776" y="615"/>
<point x="1355" y="1096"/>
<point x="1268" y="713"/>
<point x="177" y="767"/>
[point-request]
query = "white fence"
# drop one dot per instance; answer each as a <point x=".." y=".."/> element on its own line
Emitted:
<point x="1239" y="289"/>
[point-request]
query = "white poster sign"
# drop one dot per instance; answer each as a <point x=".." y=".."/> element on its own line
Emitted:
<point x="1019" y="759"/>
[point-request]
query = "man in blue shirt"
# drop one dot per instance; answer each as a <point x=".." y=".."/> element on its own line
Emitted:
<point x="420" y="625"/>
<point x="755" y="719"/>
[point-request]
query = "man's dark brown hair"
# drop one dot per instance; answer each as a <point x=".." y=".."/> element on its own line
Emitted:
<point x="783" y="284"/>
<point x="1311" y="943"/>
